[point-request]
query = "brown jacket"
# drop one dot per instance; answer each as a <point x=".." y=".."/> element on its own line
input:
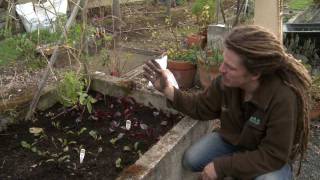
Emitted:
<point x="263" y="127"/>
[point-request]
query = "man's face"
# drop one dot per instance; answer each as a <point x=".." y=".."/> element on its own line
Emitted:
<point x="233" y="72"/>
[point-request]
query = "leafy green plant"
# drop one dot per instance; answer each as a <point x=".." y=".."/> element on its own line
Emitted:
<point x="204" y="10"/>
<point x="32" y="148"/>
<point x="95" y="135"/>
<point x="189" y="55"/>
<point x="69" y="89"/>
<point x="16" y="48"/>
<point x="71" y="92"/>
<point x="86" y="100"/>
<point x="118" y="163"/>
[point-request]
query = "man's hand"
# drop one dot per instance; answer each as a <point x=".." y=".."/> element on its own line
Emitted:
<point x="158" y="77"/>
<point x="209" y="172"/>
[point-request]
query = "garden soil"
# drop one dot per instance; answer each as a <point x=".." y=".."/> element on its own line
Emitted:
<point x="49" y="147"/>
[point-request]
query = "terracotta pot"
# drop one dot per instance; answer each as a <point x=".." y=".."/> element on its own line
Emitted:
<point x="315" y="110"/>
<point x="184" y="72"/>
<point x="207" y="74"/>
<point x="115" y="73"/>
<point x="195" y="40"/>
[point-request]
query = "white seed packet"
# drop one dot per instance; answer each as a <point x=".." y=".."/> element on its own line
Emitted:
<point x="163" y="61"/>
<point x="128" y="125"/>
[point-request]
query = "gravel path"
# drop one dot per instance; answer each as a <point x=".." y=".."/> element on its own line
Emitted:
<point x="311" y="165"/>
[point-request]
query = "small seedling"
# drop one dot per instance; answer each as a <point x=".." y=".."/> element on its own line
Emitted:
<point x="114" y="140"/>
<point x="126" y="148"/>
<point x="95" y="135"/>
<point x="82" y="130"/>
<point x="143" y="126"/>
<point x="36" y="131"/>
<point x="136" y="145"/>
<point x="56" y="124"/>
<point x="118" y="163"/>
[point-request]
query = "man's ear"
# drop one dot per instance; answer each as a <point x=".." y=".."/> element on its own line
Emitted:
<point x="255" y="76"/>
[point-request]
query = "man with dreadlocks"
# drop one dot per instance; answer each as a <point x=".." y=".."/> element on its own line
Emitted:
<point x="261" y="98"/>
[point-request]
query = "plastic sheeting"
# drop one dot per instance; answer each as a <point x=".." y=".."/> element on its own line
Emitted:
<point x="41" y="15"/>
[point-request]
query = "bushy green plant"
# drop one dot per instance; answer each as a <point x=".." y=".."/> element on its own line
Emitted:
<point x="69" y="88"/>
<point x="204" y="10"/>
<point x="189" y="55"/>
<point x="71" y="91"/>
<point x="23" y="46"/>
<point x="86" y="100"/>
<point x="16" y="47"/>
<point x="44" y="36"/>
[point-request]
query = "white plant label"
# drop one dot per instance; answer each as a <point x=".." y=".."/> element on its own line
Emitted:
<point x="128" y="124"/>
<point x="82" y="154"/>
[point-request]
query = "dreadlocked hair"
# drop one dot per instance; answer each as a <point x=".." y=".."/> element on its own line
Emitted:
<point x="263" y="53"/>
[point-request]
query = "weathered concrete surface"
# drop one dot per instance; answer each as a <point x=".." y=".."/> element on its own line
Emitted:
<point x="20" y="105"/>
<point x="119" y="87"/>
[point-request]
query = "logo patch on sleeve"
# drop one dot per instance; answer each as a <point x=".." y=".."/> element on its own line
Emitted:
<point x="255" y="120"/>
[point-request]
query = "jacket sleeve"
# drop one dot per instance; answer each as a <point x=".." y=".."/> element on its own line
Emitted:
<point x="203" y="106"/>
<point x="273" y="151"/>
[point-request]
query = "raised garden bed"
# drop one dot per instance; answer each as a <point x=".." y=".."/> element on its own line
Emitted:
<point x="54" y="153"/>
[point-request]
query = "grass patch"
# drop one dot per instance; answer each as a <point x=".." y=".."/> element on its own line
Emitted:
<point x="300" y="4"/>
<point x="8" y="51"/>
<point x="22" y="47"/>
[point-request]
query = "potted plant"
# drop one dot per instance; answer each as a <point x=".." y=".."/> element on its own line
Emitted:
<point x="182" y="63"/>
<point x="209" y="62"/>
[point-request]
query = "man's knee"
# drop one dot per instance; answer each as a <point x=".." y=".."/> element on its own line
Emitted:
<point x="188" y="161"/>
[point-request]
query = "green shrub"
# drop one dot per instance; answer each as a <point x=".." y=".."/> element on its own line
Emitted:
<point x="69" y="89"/>
<point x="16" y="48"/>
<point x="205" y="11"/>
<point x="189" y="55"/>
<point x="71" y="92"/>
